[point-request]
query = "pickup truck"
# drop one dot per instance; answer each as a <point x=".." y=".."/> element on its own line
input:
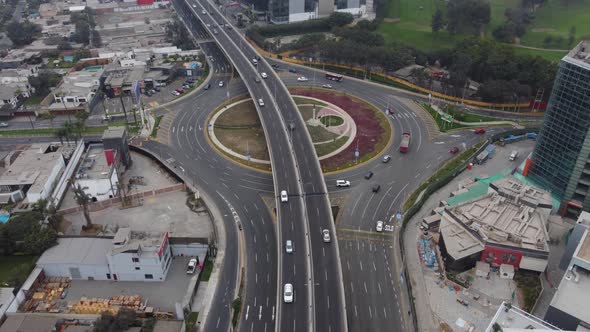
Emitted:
<point x="405" y="144"/>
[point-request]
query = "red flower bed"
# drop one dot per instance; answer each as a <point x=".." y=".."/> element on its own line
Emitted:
<point x="369" y="130"/>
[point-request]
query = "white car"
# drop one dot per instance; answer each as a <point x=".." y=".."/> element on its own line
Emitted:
<point x="208" y="25"/>
<point x="194" y="6"/>
<point x="263" y="74"/>
<point x="326" y="86"/>
<point x="175" y="93"/>
<point x="342" y="183"/>
<point x="255" y="61"/>
<point x="284" y="197"/>
<point x="302" y="79"/>
<point x="203" y="12"/>
<point x="288" y="293"/>
<point x="221" y="84"/>
<point x="379" y="226"/>
<point x="192" y="266"/>
<point x="326" y="235"/>
<point x="3" y="124"/>
<point x="260" y="102"/>
<point x="289" y="246"/>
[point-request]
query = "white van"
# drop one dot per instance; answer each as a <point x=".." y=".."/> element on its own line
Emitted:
<point x="513" y="155"/>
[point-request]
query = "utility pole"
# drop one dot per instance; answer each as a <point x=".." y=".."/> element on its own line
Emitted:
<point x="123" y="105"/>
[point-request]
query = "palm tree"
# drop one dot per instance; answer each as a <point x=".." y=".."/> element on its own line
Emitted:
<point x="69" y="130"/>
<point x="83" y="200"/>
<point x="49" y="211"/>
<point x="61" y="133"/>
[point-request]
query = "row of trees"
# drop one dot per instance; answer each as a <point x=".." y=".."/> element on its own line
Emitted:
<point x="178" y="35"/>
<point x="463" y="16"/>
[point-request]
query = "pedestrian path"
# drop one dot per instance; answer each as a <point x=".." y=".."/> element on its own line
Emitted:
<point x="417" y="110"/>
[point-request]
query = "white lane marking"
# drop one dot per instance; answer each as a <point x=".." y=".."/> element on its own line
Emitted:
<point x="366" y="291"/>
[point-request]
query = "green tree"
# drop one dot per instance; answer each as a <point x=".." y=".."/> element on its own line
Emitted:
<point x="124" y="319"/>
<point x="83" y="201"/>
<point x="437" y="20"/>
<point x="338" y="19"/>
<point x="39" y="239"/>
<point x="43" y="82"/>
<point x="22" y="33"/>
<point x="468" y="16"/>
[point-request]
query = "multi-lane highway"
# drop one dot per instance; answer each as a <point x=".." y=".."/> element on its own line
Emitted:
<point x="296" y="172"/>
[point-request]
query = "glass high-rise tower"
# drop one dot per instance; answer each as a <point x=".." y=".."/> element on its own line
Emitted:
<point x="561" y="159"/>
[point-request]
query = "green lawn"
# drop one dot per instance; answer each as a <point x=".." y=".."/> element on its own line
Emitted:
<point x="207" y="269"/>
<point x="33" y="100"/>
<point x="413" y="27"/>
<point x="442" y="125"/>
<point x="15" y="267"/>
<point x="555" y="18"/>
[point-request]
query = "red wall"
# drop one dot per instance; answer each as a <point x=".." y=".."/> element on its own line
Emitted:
<point x="145" y="2"/>
<point x="110" y="155"/>
<point x="501" y="256"/>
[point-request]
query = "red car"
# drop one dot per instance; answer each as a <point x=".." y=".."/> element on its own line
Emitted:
<point x="454" y="150"/>
<point x="480" y="131"/>
<point x="179" y="90"/>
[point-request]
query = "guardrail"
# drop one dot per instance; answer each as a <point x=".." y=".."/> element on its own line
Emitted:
<point x="425" y="194"/>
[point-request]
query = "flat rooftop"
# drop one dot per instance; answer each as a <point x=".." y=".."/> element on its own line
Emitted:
<point x="94" y="166"/>
<point x="511" y="214"/>
<point x="90" y="251"/>
<point x="32" y="166"/>
<point x="113" y="132"/>
<point x="458" y="240"/>
<point x="126" y="240"/>
<point x="572" y="296"/>
<point x="511" y="317"/>
<point x="583" y="250"/>
<point x="581" y="53"/>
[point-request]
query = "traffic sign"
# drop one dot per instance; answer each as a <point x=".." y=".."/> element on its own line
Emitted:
<point x="356" y="152"/>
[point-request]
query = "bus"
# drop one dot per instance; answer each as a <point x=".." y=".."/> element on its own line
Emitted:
<point x="334" y="77"/>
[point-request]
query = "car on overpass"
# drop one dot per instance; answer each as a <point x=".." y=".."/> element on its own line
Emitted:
<point x="326" y="236"/>
<point x="289" y="246"/>
<point x="288" y="293"/>
<point x="260" y="102"/>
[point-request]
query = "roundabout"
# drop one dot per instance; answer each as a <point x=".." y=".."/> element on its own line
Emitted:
<point x="345" y="131"/>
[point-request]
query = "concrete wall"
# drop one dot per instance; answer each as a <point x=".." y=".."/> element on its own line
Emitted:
<point x="533" y="264"/>
<point x="96" y="272"/>
<point x="191" y="249"/>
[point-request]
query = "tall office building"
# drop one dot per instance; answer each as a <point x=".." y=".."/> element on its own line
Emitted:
<point x="561" y="159"/>
<point x="289" y="11"/>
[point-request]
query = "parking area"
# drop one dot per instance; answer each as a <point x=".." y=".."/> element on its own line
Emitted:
<point x="160" y="295"/>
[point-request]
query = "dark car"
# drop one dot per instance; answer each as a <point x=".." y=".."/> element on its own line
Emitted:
<point x="148" y="93"/>
<point x="376" y="188"/>
<point x="157" y="88"/>
<point x="292" y="70"/>
<point x="369" y="175"/>
<point x="179" y="90"/>
<point x="454" y="150"/>
<point x="207" y="86"/>
<point x="480" y="131"/>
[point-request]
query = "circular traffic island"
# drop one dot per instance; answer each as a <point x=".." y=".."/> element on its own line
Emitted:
<point x="344" y="130"/>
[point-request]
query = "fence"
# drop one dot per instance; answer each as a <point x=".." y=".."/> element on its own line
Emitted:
<point x="60" y="190"/>
<point x="425" y="194"/>
<point x="384" y="78"/>
<point x="101" y="205"/>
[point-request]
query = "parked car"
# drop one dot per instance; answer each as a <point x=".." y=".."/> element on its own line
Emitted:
<point x="152" y="91"/>
<point x="386" y="158"/>
<point x="480" y="131"/>
<point x="207" y="86"/>
<point x="179" y="90"/>
<point x="148" y="93"/>
<point x="302" y="79"/>
<point x="454" y="150"/>
<point x="326" y="236"/>
<point x="157" y="88"/>
<point x="175" y="93"/>
<point x="369" y="175"/>
<point x="379" y="226"/>
<point x="376" y="188"/>
<point x="192" y="266"/>
<point x="186" y="86"/>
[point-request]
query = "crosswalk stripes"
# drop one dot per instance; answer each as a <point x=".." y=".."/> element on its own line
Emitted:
<point x="164" y="128"/>
<point x="426" y="118"/>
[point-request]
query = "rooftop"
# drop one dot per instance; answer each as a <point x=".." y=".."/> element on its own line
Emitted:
<point x="80" y="82"/>
<point x="9" y="91"/>
<point x="572" y="294"/>
<point x="94" y="165"/>
<point x="29" y="323"/>
<point x="583" y="251"/>
<point x="32" y="166"/>
<point x="512" y="318"/>
<point x="85" y="251"/>
<point x="121" y="76"/>
<point x="580" y="53"/>
<point x="113" y="132"/>
<point x="511" y="214"/>
<point x="126" y="240"/>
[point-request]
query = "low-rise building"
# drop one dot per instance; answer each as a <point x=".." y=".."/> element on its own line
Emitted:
<point x="505" y="226"/>
<point x="77" y="90"/>
<point x="98" y="173"/>
<point x="568" y="309"/>
<point x="129" y="256"/>
<point x="33" y="174"/>
<point x="510" y="318"/>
